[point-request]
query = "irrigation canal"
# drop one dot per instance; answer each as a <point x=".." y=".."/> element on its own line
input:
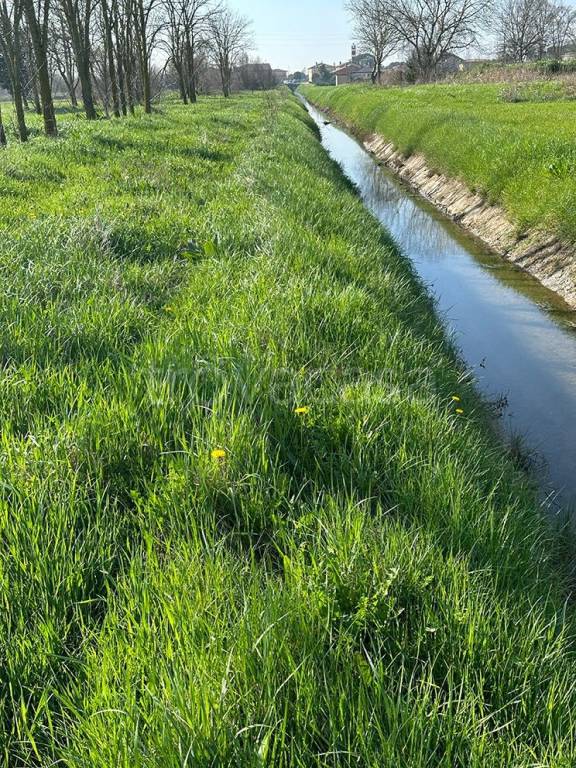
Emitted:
<point x="517" y="337"/>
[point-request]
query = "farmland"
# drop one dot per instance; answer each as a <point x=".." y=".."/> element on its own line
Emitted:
<point x="512" y="142"/>
<point x="252" y="512"/>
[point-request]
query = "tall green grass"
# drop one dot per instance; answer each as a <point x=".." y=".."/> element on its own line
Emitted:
<point x="358" y="576"/>
<point x="514" y="144"/>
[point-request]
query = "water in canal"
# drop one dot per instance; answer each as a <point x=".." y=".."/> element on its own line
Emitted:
<point x="517" y="337"/>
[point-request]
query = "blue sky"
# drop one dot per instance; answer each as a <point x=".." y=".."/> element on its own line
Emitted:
<point x="292" y="34"/>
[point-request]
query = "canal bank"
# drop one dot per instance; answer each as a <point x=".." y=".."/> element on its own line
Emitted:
<point x="541" y="254"/>
<point x="517" y="337"/>
<point x="538" y="243"/>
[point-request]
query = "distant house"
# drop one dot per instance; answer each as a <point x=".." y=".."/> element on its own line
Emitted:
<point x="394" y="73"/>
<point x="313" y="72"/>
<point x="395" y="66"/>
<point x="280" y="75"/>
<point x="210" y="81"/>
<point x="359" y="68"/>
<point x="352" y="73"/>
<point x="256" y="76"/>
<point x="364" y="60"/>
<point x="451" y="63"/>
<point x="345" y="73"/>
<point x="565" y="53"/>
<point x="471" y="63"/>
<point x="363" y="74"/>
<point x="321" y="74"/>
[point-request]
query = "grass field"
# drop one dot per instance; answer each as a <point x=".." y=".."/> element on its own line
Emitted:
<point x="244" y="522"/>
<point x="515" y="143"/>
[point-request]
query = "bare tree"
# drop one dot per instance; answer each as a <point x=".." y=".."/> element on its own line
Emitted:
<point x="10" y="43"/>
<point x="374" y="30"/>
<point x="542" y="22"/>
<point x="432" y="29"/>
<point x="107" y="47"/>
<point x="196" y="17"/>
<point x="561" y="29"/>
<point x="229" y="38"/>
<point x="38" y="18"/>
<point x="3" y="140"/>
<point x="31" y="71"/>
<point x="187" y="24"/>
<point x="526" y="28"/>
<point x="62" y="57"/>
<point x="78" y="15"/>
<point x="148" y="25"/>
<point x="124" y="37"/>
<point x="173" y="44"/>
<point x="110" y="54"/>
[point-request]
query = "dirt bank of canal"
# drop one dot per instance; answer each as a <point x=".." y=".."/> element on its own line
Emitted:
<point x="542" y="254"/>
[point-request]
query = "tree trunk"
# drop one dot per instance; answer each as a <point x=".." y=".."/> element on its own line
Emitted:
<point x="182" y="87"/>
<point x="225" y="77"/>
<point x="3" y="141"/>
<point x="146" y="88"/>
<point x="129" y="88"/>
<point x="33" y="78"/>
<point x="83" y="65"/>
<point x="72" y="94"/>
<point x="113" y="80"/>
<point x="36" y="95"/>
<point x="19" y="108"/>
<point x="80" y="41"/>
<point x="121" y="87"/>
<point x="142" y="48"/>
<point x="192" y="90"/>
<point x="13" y="58"/>
<point x="50" y="126"/>
<point x="120" y="52"/>
<point x="110" y="56"/>
<point x="191" y="70"/>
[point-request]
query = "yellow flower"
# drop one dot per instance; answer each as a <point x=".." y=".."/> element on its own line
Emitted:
<point x="218" y="454"/>
<point x="456" y="398"/>
<point x="459" y="410"/>
<point x="302" y="411"/>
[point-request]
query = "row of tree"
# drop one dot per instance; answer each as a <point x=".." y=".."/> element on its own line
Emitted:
<point x="112" y="51"/>
<point x="429" y="30"/>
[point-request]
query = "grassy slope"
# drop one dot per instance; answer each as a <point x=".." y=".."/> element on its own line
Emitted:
<point x="367" y="583"/>
<point x="522" y="155"/>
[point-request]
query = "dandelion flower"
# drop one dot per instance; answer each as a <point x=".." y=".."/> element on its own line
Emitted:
<point x="302" y="411"/>
<point x="459" y="410"/>
<point x="455" y="398"/>
<point x="218" y="454"/>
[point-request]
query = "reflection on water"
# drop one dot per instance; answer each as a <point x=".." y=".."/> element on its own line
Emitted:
<point x="518" y="338"/>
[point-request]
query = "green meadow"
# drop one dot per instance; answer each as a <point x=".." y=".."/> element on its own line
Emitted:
<point x="251" y="511"/>
<point x="512" y="142"/>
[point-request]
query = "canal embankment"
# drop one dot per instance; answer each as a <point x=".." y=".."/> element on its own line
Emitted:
<point x="516" y="338"/>
<point x="252" y="509"/>
<point x="483" y="192"/>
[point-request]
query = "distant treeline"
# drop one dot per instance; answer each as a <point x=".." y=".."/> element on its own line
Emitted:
<point x="428" y="31"/>
<point x="118" y="53"/>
